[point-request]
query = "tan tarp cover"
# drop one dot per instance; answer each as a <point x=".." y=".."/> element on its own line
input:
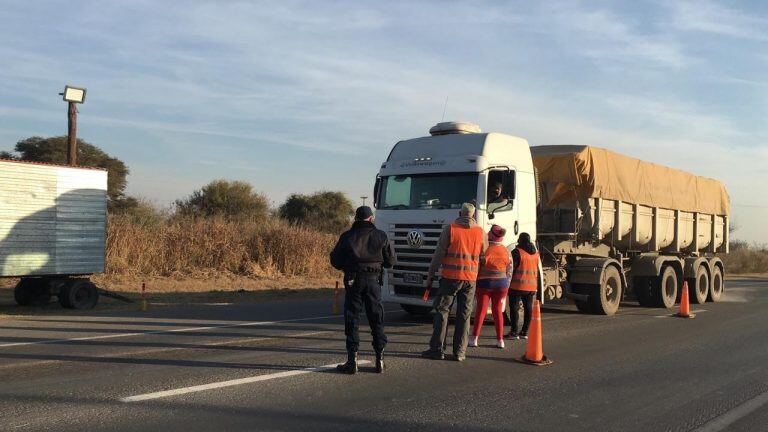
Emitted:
<point x="582" y="171"/>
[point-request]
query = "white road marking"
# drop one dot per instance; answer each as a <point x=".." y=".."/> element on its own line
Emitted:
<point x="230" y="383"/>
<point x="723" y="421"/>
<point x="694" y="312"/>
<point x="154" y="332"/>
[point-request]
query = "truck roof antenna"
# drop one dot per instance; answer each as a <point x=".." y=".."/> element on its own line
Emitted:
<point x="445" y="105"/>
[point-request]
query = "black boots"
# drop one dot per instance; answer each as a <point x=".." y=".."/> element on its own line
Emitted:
<point x="350" y="367"/>
<point x="380" y="362"/>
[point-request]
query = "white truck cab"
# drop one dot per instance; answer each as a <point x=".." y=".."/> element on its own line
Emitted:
<point x="424" y="181"/>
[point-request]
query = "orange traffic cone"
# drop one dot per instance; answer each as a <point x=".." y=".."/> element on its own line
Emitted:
<point x="336" y="299"/>
<point x="534" y="353"/>
<point x="685" y="306"/>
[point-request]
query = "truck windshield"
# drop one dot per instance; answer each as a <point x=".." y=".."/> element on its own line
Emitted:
<point x="427" y="191"/>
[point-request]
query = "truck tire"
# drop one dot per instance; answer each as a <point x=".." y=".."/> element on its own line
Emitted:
<point x="79" y="294"/>
<point x="641" y="287"/>
<point x="718" y="285"/>
<point x="604" y="299"/>
<point x="32" y="292"/>
<point x="416" y="310"/>
<point x="664" y="288"/>
<point x="698" y="288"/>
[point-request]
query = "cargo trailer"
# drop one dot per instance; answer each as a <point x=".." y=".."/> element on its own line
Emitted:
<point x="53" y="223"/>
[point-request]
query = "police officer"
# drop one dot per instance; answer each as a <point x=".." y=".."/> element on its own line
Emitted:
<point x="361" y="253"/>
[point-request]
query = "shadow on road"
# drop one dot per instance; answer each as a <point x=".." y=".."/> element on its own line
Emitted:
<point x="225" y="416"/>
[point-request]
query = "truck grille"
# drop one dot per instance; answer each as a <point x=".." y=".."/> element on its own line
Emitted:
<point x="412" y="260"/>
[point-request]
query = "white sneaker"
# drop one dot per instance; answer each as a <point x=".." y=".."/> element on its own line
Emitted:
<point x="473" y="341"/>
<point x="500" y="344"/>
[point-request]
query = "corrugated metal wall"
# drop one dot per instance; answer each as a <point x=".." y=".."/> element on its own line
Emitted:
<point x="52" y="219"/>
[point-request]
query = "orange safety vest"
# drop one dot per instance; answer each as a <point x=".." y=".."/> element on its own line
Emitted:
<point x="462" y="259"/>
<point x="496" y="262"/>
<point x="526" y="274"/>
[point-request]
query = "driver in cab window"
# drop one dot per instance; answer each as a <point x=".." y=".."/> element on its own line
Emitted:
<point x="495" y="197"/>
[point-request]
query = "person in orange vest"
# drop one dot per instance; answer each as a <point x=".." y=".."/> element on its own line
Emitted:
<point x="460" y="249"/>
<point x="492" y="285"/>
<point x="524" y="284"/>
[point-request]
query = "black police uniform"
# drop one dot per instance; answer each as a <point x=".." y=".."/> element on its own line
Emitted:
<point x="362" y="253"/>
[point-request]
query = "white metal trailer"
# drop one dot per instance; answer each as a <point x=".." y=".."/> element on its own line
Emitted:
<point x="52" y="231"/>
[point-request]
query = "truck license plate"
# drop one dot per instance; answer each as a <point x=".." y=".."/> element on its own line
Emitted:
<point x="414" y="278"/>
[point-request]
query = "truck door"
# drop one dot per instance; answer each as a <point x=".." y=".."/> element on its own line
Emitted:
<point x="501" y="206"/>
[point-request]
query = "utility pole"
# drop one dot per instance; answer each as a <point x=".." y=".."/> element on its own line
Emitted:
<point x="363" y="198"/>
<point x="73" y="96"/>
<point x="72" y="135"/>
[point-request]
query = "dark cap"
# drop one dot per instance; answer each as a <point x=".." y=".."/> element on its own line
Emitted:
<point x="363" y="213"/>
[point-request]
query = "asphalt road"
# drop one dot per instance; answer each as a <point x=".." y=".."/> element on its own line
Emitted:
<point x="255" y="367"/>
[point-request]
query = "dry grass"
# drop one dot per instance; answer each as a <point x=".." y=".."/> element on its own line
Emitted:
<point x="746" y="258"/>
<point x="215" y="247"/>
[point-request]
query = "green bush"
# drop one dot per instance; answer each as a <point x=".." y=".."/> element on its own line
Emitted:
<point x="324" y="211"/>
<point x="231" y="199"/>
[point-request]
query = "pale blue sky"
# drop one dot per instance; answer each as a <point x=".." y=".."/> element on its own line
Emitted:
<point x="301" y="96"/>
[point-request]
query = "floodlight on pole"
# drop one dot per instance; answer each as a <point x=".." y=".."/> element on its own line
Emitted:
<point x="72" y="95"/>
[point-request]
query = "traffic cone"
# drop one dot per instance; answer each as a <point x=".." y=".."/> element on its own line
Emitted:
<point x="534" y="353"/>
<point x="685" y="306"/>
<point x="336" y="299"/>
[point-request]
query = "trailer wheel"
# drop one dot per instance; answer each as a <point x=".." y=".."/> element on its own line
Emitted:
<point x="416" y="310"/>
<point x="698" y="288"/>
<point x="641" y="286"/>
<point x="604" y="299"/>
<point x="718" y="285"/>
<point x="664" y="288"/>
<point x="32" y="292"/>
<point x="79" y="294"/>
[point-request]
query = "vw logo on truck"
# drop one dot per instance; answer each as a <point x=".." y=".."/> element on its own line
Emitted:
<point x="415" y="239"/>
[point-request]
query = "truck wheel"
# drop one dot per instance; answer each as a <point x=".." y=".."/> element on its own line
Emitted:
<point x="79" y="294"/>
<point x="604" y="299"/>
<point x="32" y="292"/>
<point x="718" y="285"/>
<point x="641" y="286"/>
<point x="664" y="288"/>
<point x="416" y="310"/>
<point x="698" y="288"/>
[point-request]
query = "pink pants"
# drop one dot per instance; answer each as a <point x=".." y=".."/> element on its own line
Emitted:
<point x="496" y="296"/>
